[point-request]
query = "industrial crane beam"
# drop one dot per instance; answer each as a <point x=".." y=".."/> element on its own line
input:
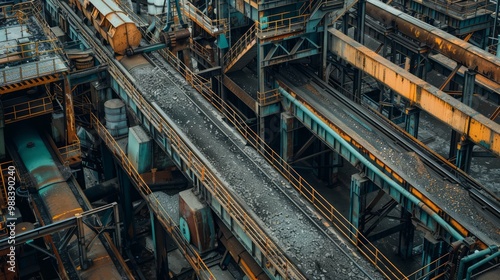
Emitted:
<point x="481" y="130"/>
<point x="462" y="52"/>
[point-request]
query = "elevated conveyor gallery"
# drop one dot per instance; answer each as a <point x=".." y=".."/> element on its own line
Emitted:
<point x="327" y="117"/>
<point x="187" y="131"/>
<point x="235" y="165"/>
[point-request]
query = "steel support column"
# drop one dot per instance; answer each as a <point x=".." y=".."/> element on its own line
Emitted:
<point x="108" y="166"/>
<point x="324" y="52"/>
<point x="406" y="235"/>
<point x="360" y="187"/>
<point x="464" y="154"/>
<point x="160" y="242"/>
<point x="360" y="38"/>
<point x="261" y="88"/>
<point x="464" y="147"/>
<point x="412" y="120"/>
<point x="286" y="135"/>
<point x="126" y="190"/>
<point x="432" y="250"/>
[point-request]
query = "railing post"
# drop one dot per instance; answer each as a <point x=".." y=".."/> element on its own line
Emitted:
<point x="82" y="250"/>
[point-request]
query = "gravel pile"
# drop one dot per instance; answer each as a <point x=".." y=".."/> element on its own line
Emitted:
<point x="291" y="229"/>
<point x="450" y="197"/>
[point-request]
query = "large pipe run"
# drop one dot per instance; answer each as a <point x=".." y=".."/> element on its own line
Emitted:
<point x="464" y="53"/>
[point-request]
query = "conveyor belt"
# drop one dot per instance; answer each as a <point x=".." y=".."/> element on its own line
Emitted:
<point x="397" y="152"/>
<point x="301" y="239"/>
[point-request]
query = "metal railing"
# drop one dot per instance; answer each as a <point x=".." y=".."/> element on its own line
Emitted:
<point x="281" y="24"/>
<point x="373" y="254"/>
<point x="274" y="255"/>
<point x="270" y="250"/>
<point x="212" y="26"/>
<point x="268" y="97"/>
<point x="71" y="153"/>
<point x="202" y="51"/>
<point x="28" y="109"/>
<point x="191" y="255"/>
<point x="41" y="68"/>
<point x="32" y="8"/>
<point x="31" y="50"/>
<point x="460" y="7"/>
<point x="246" y="41"/>
<point x="12" y="11"/>
<point x="322" y="205"/>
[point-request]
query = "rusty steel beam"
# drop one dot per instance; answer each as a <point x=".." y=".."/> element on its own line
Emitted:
<point x="481" y="130"/>
<point x="462" y="52"/>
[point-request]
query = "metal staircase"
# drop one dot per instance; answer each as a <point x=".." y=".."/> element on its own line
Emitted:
<point x="242" y="52"/>
<point x="212" y="26"/>
<point x="316" y="10"/>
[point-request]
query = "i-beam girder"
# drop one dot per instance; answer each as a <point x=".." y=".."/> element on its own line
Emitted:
<point x="481" y="130"/>
<point x="462" y="52"/>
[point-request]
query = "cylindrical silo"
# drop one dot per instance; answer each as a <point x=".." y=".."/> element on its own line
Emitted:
<point x="160" y="6"/>
<point x="151" y="7"/>
<point x="116" y="117"/>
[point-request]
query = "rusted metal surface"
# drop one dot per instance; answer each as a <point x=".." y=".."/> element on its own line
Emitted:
<point x="458" y="116"/>
<point x="464" y="53"/>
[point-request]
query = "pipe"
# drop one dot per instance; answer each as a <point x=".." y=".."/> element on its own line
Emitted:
<point x="480" y="263"/>
<point x="374" y="169"/>
<point x="482" y="253"/>
<point x="152" y="26"/>
<point x="101" y="191"/>
<point x="147" y="49"/>
<point x="462" y="52"/>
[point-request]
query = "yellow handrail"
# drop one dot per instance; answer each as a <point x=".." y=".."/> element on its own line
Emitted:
<point x="202" y="51"/>
<point x="283" y="25"/>
<point x="323" y="206"/>
<point x="273" y="253"/>
<point x="268" y="97"/>
<point x="28" y="109"/>
<point x="240" y="45"/>
<point x="212" y="26"/>
<point x="191" y="255"/>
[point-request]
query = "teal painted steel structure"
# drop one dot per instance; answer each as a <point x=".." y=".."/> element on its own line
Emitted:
<point x="407" y="200"/>
<point x="162" y="140"/>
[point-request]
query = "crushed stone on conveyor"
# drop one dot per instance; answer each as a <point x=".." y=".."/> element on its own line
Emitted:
<point x="454" y="199"/>
<point x="290" y="228"/>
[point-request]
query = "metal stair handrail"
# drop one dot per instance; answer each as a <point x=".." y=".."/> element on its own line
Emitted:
<point x="217" y="26"/>
<point x="240" y="45"/>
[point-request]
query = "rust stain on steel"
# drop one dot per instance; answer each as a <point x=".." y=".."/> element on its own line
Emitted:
<point x="463" y="119"/>
<point x="462" y="52"/>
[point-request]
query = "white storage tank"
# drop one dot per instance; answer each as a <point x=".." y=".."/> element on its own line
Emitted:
<point x="159" y="5"/>
<point x="151" y="7"/>
<point x="116" y="117"/>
